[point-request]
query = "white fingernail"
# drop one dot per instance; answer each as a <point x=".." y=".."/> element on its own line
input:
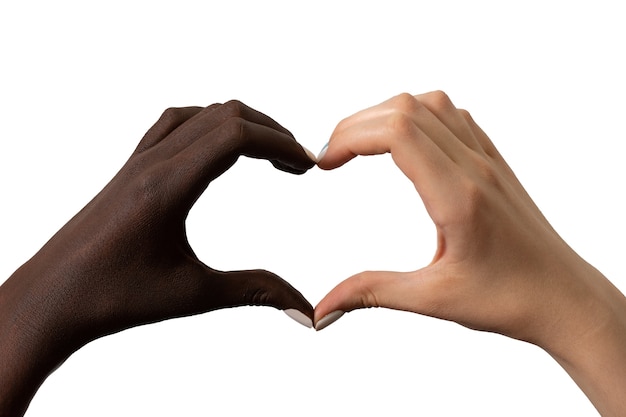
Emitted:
<point x="322" y="153"/>
<point x="309" y="154"/>
<point x="299" y="316"/>
<point x="328" y="319"/>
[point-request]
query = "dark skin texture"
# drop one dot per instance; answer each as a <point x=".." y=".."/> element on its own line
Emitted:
<point x="124" y="260"/>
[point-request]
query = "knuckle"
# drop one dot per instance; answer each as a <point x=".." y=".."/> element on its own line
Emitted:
<point x="400" y="125"/>
<point x="474" y="195"/>
<point x="439" y="96"/>
<point x="478" y="188"/>
<point x="147" y="187"/>
<point x="342" y="125"/>
<point x="258" y="297"/>
<point x="170" y="112"/>
<point x="254" y="293"/>
<point x="438" y="100"/>
<point x="234" y="126"/>
<point x="466" y="114"/>
<point x="233" y="108"/>
<point x="405" y="102"/>
<point x="487" y="172"/>
<point x="367" y="295"/>
<point x="472" y="198"/>
<point x="234" y="130"/>
<point x="174" y="114"/>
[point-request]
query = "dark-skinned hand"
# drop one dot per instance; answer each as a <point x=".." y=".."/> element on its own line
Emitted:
<point x="124" y="260"/>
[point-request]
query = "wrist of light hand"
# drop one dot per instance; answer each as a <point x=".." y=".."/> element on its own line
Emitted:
<point x="586" y="335"/>
<point x="588" y="305"/>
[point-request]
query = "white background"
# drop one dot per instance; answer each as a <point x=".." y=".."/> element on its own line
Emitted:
<point x="81" y="83"/>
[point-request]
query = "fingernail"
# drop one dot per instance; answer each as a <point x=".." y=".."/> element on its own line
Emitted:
<point x="328" y="319"/>
<point x="322" y="152"/>
<point x="299" y="316"/>
<point x="309" y="154"/>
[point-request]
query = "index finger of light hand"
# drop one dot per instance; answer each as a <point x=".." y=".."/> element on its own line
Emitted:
<point x="383" y="129"/>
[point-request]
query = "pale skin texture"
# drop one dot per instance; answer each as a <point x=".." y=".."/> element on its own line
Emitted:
<point x="499" y="265"/>
<point x="124" y="260"/>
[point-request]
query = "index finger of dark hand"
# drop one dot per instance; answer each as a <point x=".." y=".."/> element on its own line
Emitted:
<point x="211" y="118"/>
<point x="219" y="149"/>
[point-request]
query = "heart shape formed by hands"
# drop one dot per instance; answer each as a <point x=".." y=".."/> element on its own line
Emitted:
<point x="468" y="190"/>
<point x="125" y="260"/>
<point x="131" y="246"/>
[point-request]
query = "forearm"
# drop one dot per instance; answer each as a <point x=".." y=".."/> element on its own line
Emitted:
<point x="591" y="346"/>
<point x="20" y="377"/>
<point x="31" y="344"/>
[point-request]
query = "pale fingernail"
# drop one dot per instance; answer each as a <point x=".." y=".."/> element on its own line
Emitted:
<point x="309" y="154"/>
<point x="322" y="152"/>
<point x="299" y="316"/>
<point x="328" y="319"/>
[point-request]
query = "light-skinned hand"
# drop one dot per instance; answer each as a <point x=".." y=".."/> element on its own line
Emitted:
<point x="499" y="265"/>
